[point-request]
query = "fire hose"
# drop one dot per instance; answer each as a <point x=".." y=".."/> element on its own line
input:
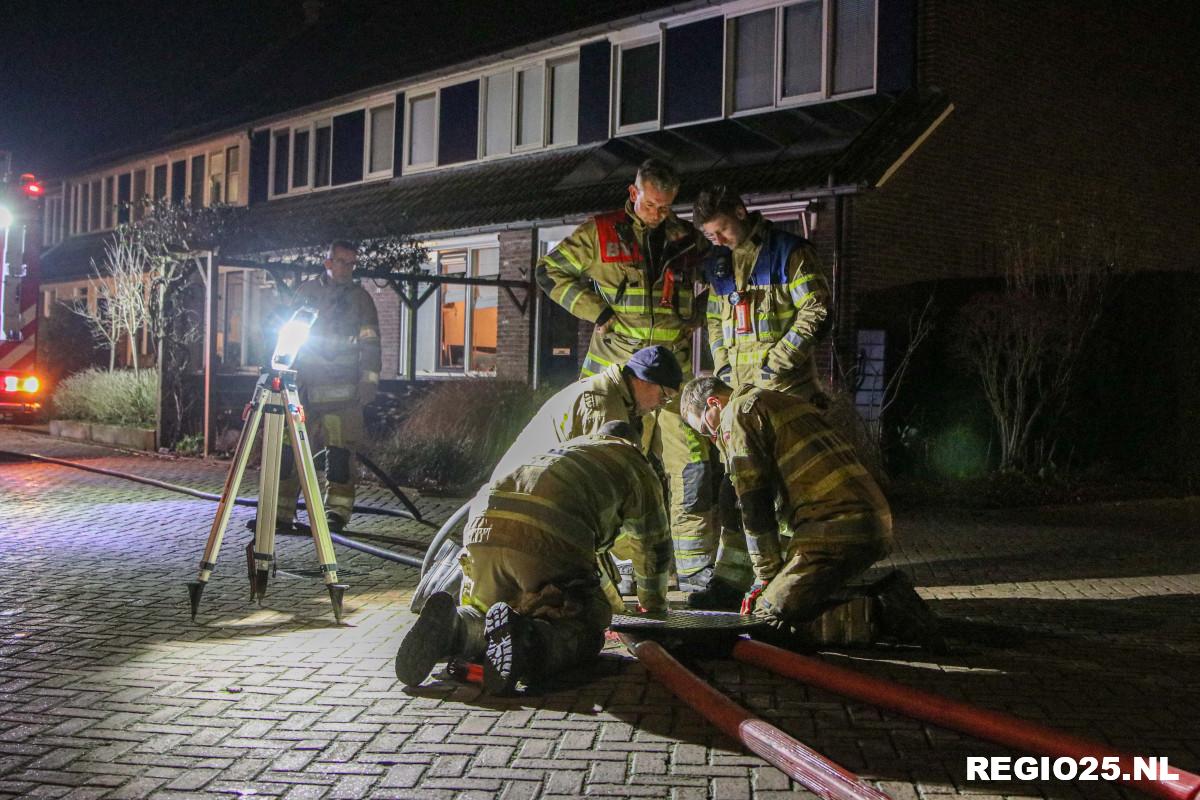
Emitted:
<point x="992" y="726"/>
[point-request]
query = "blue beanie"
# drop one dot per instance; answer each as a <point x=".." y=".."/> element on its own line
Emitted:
<point x="657" y="365"/>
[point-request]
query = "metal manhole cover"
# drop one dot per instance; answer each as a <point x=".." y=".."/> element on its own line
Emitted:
<point x="685" y="621"/>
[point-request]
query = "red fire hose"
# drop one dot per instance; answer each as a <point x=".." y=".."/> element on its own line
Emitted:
<point x="990" y="725"/>
<point x="803" y="764"/>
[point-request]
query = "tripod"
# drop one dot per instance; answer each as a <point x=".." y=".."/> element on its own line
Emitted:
<point x="276" y="398"/>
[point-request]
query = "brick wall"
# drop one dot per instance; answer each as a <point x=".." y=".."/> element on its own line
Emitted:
<point x="1063" y="111"/>
<point x="387" y="304"/>
<point x="514" y="336"/>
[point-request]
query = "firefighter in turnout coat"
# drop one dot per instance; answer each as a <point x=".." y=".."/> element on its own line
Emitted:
<point x="768" y="308"/>
<point x="618" y="393"/>
<point x="337" y="374"/>
<point x="632" y="273"/>
<point x="533" y="600"/>
<point x="788" y="466"/>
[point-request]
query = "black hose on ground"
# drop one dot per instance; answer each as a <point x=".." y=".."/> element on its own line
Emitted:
<point x="378" y="552"/>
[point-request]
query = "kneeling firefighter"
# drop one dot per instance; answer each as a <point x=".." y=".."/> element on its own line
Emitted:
<point x="537" y="590"/>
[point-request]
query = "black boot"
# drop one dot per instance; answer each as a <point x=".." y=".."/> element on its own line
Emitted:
<point x="904" y="615"/>
<point x="717" y="596"/>
<point x="509" y="651"/>
<point x="432" y="638"/>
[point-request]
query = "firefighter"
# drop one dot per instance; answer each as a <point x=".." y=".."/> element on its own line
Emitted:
<point x="768" y="302"/>
<point x="768" y="307"/>
<point x="534" y="598"/>
<point x="632" y="272"/>
<point x="618" y="393"/>
<point x="338" y="374"/>
<point x="782" y="454"/>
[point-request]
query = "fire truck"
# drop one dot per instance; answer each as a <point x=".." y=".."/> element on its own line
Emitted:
<point x="21" y="392"/>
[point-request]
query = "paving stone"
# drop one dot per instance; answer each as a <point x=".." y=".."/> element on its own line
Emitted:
<point x="1081" y="618"/>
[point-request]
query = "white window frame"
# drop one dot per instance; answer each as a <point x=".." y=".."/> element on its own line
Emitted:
<point x="227" y="147"/>
<point x="548" y="103"/>
<point x="484" y="80"/>
<point x="425" y="166"/>
<point x="292" y="188"/>
<point x="638" y="127"/>
<point x="782" y="100"/>
<point x="516" y="113"/>
<point x="369" y="143"/>
<point x="470" y="248"/>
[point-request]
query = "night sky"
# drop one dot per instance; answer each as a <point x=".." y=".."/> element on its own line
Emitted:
<point x="86" y="79"/>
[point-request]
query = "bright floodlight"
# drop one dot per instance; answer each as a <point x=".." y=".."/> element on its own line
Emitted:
<point x="292" y="337"/>
<point x="6" y="218"/>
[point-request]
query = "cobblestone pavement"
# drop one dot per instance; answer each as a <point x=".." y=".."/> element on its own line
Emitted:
<point x="1087" y="619"/>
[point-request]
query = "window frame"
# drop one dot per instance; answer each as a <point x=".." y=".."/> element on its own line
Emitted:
<point x="409" y="102"/>
<point x="617" y="125"/>
<point x="469" y="249"/>
<point x="369" y="141"/>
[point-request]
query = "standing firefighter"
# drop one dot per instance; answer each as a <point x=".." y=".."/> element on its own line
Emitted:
<point x="782" y="454"/>
<point x="768" y="302"/>
<point x="532" y="598"/>
<point x="338" y="374"/>
<point x="632" y="272"/>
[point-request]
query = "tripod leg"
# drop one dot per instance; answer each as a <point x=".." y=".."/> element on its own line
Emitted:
<point x="233" y="482"/>
<point x="261" y="557"/>
<point x="302" y="450"/>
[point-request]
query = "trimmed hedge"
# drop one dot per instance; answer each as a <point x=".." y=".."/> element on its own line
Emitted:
<point x="112" y="398"/>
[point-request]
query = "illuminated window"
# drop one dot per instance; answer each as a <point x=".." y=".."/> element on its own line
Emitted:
<point x="452" y="320"/>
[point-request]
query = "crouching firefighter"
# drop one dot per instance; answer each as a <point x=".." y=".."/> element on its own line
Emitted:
<point x="537" y="590"/>
<point x="787" y="465"/>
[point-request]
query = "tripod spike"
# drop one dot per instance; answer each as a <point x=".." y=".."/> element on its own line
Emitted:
<point x="195" y="589"/>
<point x="261" y="577"/>
<point x="336" y="592"/>
<point x="250" y="570"/>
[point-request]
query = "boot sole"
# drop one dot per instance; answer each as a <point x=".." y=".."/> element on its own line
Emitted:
<point x="428" y="641"/>
<point x="503" y="666"/>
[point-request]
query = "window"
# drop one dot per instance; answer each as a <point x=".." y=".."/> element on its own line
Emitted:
<point x="300" y="154"/>
<point x="216" y="177"/>
<point x="564" y="101"/>
<point x="753" y="56"/>
<point x="422" y="130"/>
<point x="83" y="208"/>
<point x="853" y="45"/>
<point x="452" y="319"/>
<point x="322" y="153"/>
<point x="639" y="85"/>
<point x="97" y="204"/>
<point x="497" y="117"/>
<point x="530" y="98"/>
<point x="123" y="198"/>
<point x="467" y="320"/>
<point x="279" y="165"/>
<point x="51" y="221"/>
<point x="380" y="143"/>
<point x="139" y="194"/>
<point x="803" y="50"/>
<point x="483" y="326"/>
<point x="109" y="201"/>
<point x="178" y="181"/>
<point x="233" y="174"/>
<point x="160" y="182"/>
<point x="197" y="187"/>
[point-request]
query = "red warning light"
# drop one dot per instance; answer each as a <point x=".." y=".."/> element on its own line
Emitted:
<point x="31" y="186"/>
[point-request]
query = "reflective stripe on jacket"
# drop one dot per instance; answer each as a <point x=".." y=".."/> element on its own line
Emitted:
<point x="578" y="409"/>
<point x="343" y="347"/>
<point x="601" y="271"/>
<point x="776" y="442"/>
<point x="570" y="504"/>
<point x="779" y="276"/>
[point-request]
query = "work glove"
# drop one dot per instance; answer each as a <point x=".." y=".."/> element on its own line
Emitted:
<point x="367" y="390"/>
<point x="752" y="596"/>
